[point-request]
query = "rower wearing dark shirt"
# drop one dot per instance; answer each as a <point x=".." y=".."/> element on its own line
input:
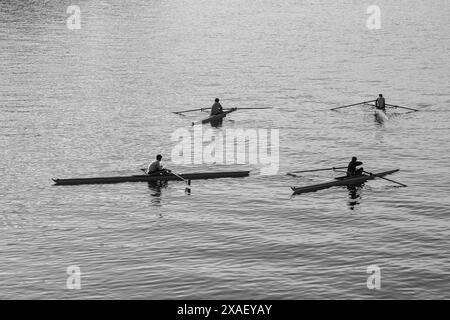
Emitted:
<point x="216" y="108"/>
<point x="380" y="103"/>
<point x="352" y="170"/>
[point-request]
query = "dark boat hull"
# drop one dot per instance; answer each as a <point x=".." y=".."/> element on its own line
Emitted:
<point x="341" y="182"/>
<point x="216" y="117"/>
<point x="145" y="178"/>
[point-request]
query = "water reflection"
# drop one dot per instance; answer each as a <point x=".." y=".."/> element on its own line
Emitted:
<point x="354" y="191"/>
<point x="156" y="187"/>
<point x="380" y="118"/>
<point x="217" y="123"/>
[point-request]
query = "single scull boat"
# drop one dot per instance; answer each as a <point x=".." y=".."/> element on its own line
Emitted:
<point x="214" y="118"/>
<point x="341" y="181"/>
<point x="144" y="178"/>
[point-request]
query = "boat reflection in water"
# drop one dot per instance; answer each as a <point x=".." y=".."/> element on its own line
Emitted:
<point x="217" y="123"/>
<point x="380" y="117"/>
<point x="157" y="186"/>
<point x="354" y="193"/>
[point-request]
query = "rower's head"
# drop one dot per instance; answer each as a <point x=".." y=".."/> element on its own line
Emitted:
<point x="380" y="95"/>
<point x="354" y="159"/>
<point x="159" y="157"/>
<point x="216" y="100"/>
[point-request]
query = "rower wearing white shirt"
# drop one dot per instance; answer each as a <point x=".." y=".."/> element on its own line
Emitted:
<point x="156" y="167"/>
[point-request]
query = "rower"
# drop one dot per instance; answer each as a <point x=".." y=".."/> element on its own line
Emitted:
<point x="352" y="170"/>
<point x="155" y="167"/>
<point x="380" y="103"/>
<point x="216" y="108"/>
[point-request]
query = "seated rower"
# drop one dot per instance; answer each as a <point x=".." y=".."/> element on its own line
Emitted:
<point x="352" y="170"/>
<point x="156" y="168"/>
<point x="380" y="103"/>
<point x="216" y="108"/>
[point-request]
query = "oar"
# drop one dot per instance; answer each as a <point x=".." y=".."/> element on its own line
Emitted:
<point x="170" y="171"/>
<point x="208" y="119"/>
<point x="395" y="106"/>
<point x="177" y="175"/>
<point x="351" y="105"/>
<point x="188" y="182"/>
<point x="332" y="168"/>
<point x="188" y="189"/>
<point x="403" y="185"/>
<point x="250" y="108"/>
<point x="200" y="109"/>
<point x="203" y="109"/>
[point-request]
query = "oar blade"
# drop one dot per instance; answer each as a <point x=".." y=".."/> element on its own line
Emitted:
<point x="291" y="174"/>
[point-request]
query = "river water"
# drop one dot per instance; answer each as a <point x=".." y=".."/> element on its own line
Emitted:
<point x="98" y="101"/>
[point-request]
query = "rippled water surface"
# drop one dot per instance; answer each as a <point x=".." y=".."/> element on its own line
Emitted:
<point x="98" y="102"/>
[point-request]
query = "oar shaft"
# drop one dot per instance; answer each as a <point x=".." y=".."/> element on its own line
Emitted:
<point x="395" y="106"/>
<point x="399" y="183"/>
<point x="351" y="105"/>
<point x="202" y="109"/>
<point x="188" y="182"/>
<point x="324" y="169"/>
<point x="177" y="175"/>
<point x="250" y="108"/>
<point x="199" y="109"/>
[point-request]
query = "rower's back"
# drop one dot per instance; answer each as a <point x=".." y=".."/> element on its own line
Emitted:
<point x="380" y="103"/>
